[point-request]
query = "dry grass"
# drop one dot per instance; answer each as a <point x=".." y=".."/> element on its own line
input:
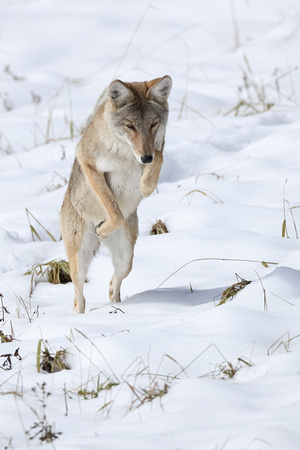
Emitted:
<point x="14" y="76"/>
<point x="284" y="341"/>
<point x="41" y="428"/>
<point x="286" y="203"/>
<point x="4" y="310"/>
<point x="229" y="293"/>
<point x="7" y="364"/>
<point x="264" y="263"/>
<point x="50" y="361"/>
<point x="4" y="338"/>
<point x="159" y="228"/>
<point x="6" y="101"/>
<point x="227" y="370"/>
<point x="145" y="385"/>
<point x="5" y="145"/>
<point x="34" y="233"/>
<point x="213" y="197"/>
<point x="88" y="393"/>
<point x="256" y="96"/>
<point x="26" y="306"/>
<point x="56" y="271"/>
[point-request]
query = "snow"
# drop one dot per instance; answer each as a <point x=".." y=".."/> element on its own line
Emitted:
<point x="228" y="375"/>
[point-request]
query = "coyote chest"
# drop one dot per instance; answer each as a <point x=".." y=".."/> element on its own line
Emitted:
<point x="125" y="186"/>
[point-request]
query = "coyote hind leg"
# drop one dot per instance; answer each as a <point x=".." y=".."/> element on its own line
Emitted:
<point x="80" y="258"/>
<point x="81" y="243"/>
<point x="121" y="244"/>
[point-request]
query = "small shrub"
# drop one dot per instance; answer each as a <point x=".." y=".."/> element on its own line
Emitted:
<point x="41" y="428"/>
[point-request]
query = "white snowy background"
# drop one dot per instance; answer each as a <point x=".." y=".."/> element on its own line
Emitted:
<point x="229" y="181"/>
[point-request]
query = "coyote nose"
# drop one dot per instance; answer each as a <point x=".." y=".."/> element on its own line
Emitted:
<point x="146" y="159"/>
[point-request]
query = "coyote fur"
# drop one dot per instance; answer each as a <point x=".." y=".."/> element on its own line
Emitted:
<point x="117" y="162"/>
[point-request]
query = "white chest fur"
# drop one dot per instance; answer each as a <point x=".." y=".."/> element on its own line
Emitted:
<point x="123" y="174"/>
<point x="125" y="186"/>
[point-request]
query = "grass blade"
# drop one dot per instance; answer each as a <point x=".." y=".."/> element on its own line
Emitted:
<point x="28" y="213"/>
<point x="38" y="355"/>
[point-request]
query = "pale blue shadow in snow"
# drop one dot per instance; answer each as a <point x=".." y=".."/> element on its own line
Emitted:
<point x="180" y="295"/>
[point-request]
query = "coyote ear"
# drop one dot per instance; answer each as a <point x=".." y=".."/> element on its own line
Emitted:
<point x="119" y="93"/>
<point x="160" y="91"/>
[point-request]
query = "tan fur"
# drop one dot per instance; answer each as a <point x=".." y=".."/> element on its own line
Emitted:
<point x="118" y="161"/>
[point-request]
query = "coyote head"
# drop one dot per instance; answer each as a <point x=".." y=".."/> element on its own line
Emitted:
<point x="138" y="112"/>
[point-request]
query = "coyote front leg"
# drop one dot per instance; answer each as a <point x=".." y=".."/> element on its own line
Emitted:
<point x="115" y="217"/>
<point x="150" y="176"/>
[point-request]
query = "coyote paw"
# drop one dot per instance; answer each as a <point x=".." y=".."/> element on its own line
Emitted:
<point x="79" y="306"/>
<point x="105" y="227"/>
<point x="97" y="228"/>
<point x="100" y="230"/>
<point x="150" y="176"/>
<point x="147" y="188"/>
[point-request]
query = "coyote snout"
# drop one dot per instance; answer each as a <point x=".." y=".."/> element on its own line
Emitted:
<point x="118" y="161"/>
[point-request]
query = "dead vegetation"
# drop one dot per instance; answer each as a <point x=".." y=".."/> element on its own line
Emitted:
<point x="287" y="206"/>
<point x="213" y="197"/>
<point x="56" y="271"/>
<point x="144" y="384"/>
<point x="4" y="338"/>
<point x="34" y="233"/>
<point x="227" y="370"/>
<point x="41" y="428"/>
<point x="229" y="293"/>
<point x="106" y="385"/>
<point x="159" y="228"/>
<point x="256" y="96"/>
<point x="7" y="364"/>
<point x="50" y="361"/>
<point x="4" y="310"/>
<point x="6" y="101"/>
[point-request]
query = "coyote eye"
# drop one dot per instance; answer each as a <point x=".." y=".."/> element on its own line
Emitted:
<point x="153" y="124"/>
<point x="131" y="127"/>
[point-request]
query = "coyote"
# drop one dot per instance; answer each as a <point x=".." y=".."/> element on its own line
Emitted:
<point x="117" y="162"/>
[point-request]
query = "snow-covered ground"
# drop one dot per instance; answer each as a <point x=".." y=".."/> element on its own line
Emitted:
<point x="223" y="377"/>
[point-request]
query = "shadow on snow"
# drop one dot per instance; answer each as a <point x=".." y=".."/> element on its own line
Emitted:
<point x="179" y="296"/>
